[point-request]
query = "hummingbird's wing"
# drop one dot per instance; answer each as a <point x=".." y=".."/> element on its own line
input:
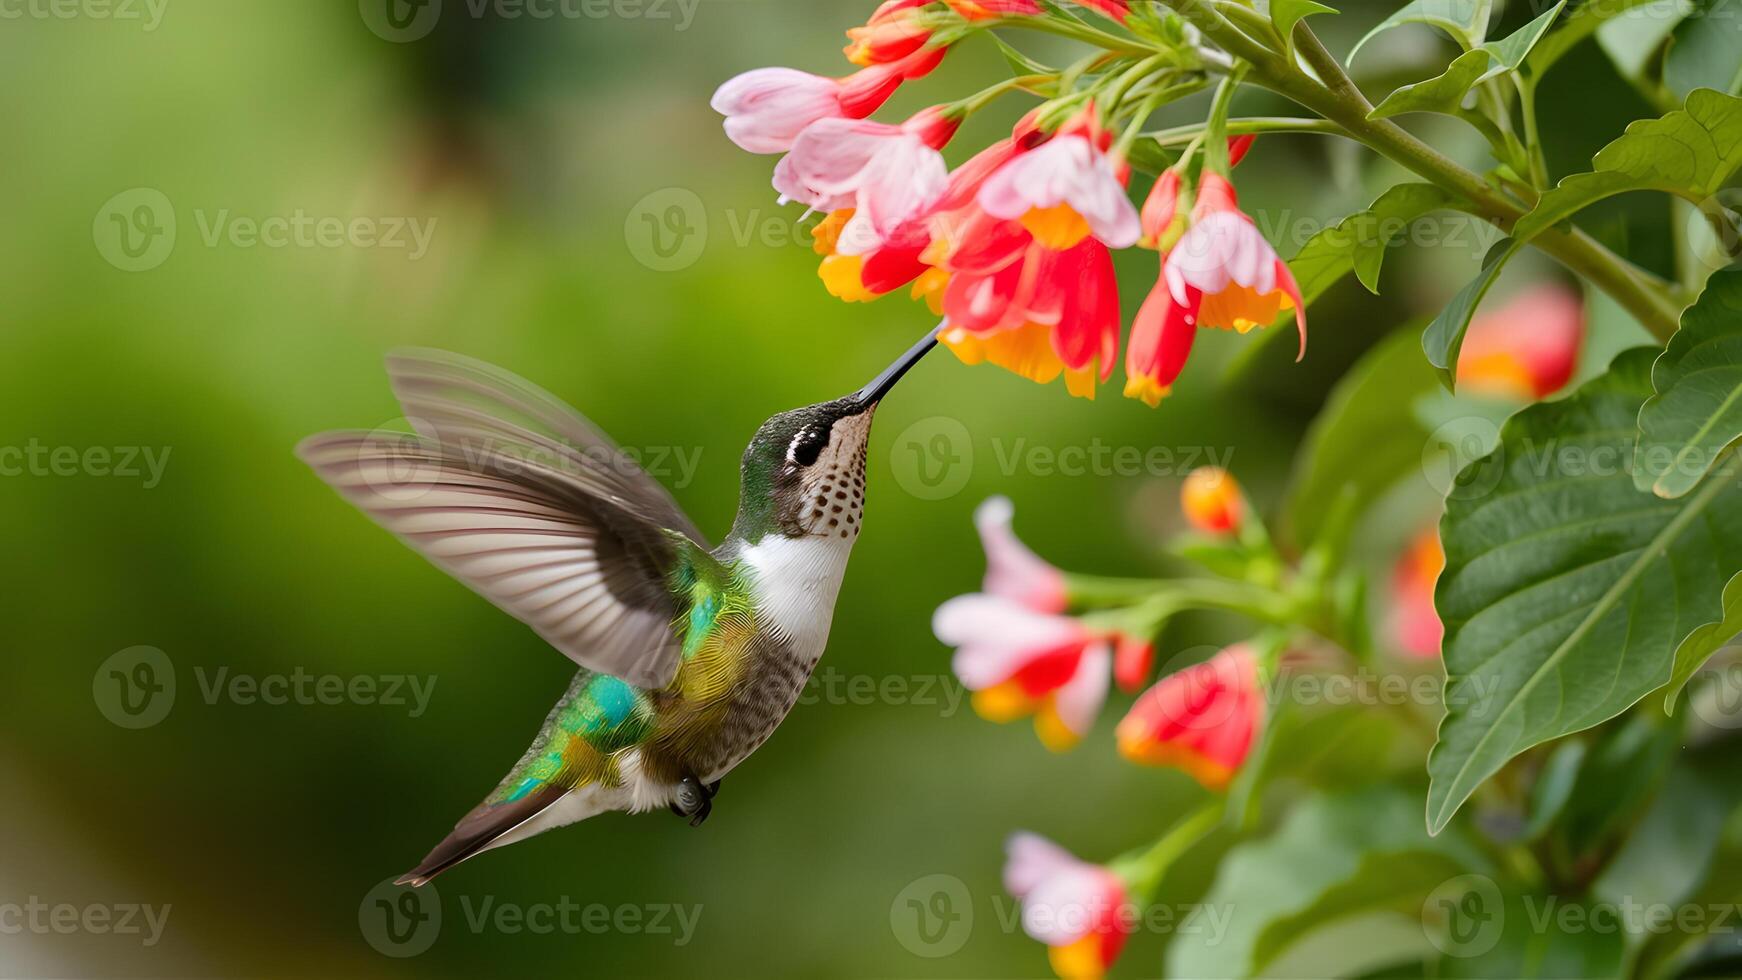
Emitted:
<point x="583" y="566"/>
<point x="473" y="406"/>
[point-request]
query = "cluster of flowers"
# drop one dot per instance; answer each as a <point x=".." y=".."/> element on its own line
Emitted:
<point x="1013" y="247"/>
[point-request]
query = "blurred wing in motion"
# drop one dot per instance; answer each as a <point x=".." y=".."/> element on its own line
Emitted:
<point x="566" y="549"/>
<point x="469" y="405"/>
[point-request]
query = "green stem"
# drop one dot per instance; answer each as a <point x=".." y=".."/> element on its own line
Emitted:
<point x="1097" y="592"/>
<point x="1337" y="98"/>
<point x="979" y="100"/>
<point x="1532" y="140"/>
<point x="1077" y="31"/>
<point x="1143" y="873"/>
<point x="1249" y="125"/>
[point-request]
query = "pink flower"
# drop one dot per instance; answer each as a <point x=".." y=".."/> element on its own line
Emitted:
<point x="1065" y="189"/>
<point x="1012" y="570"/>
<point x="1020" y="663"/>
<point x="887" y="174"/>
<point x="1242" y="282"/>
<point x="767" y="108"/>
<point x="1076" y="908"/>
<point x="1527" y="348"/>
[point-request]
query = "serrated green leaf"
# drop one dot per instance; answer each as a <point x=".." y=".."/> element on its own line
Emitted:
<point x="1443" y="93"/>
<point x="1365" y="439"/>
<point x="1697" y="408"/>
<point x="1358" y="242"/>
<point x="1331" y="857"/>
<point x="1287" y="13"/>
<point x="1465" y="20"/>
<point x="1566" y="589"/>
<point x="1510" y="51"/>
<point x="1444" y="337"/>
<point x="1594" y="18"/>
<point x="1690" y="152"/>
<point x="1693" y="652"/>
<point x="1706" y="50"/>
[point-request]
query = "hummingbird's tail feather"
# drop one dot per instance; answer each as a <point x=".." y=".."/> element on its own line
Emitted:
<point x="487" y="824"/>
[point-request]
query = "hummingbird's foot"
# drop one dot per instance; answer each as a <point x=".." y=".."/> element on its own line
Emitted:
<point x="694" y="800"/>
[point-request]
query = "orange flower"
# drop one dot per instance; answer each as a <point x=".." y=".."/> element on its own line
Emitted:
<point x="1211" y="500"/>
<point x="1203" y="719"/>
<point x="1415" y="623"/>
<point x="1525" y="349"/>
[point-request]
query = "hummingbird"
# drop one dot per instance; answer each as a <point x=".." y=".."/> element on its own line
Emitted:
<point x="690" y="656"/>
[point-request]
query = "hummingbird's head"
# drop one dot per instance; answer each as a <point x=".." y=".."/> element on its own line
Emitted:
<point x="804" y="472"/>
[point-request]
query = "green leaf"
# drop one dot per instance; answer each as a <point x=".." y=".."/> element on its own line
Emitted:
<point x="1465" y="20"/>
<point x="1624" y="769"/>
<point x="1690" y="152"/>
<point x="1523" y="937"/>
<point x="1585" y="20"/>
<point x="1444" y="337"/>
<point x="1554" y="787"/>
<point x="1358" y="242"/>
<point x="1020" y="63"/>
<point x="1706" y="50"/>
<point x="1566" y="590"/>
<point x="1333" y="855"/>
<point x="1442" y="93"/>
<point x="1666" y="855"/>
<point x="1365" y="438"/>
<point x="1699" y="646"/>
<point x="1697" y="410"/>
<point x="1510" y="51"/>
<point x="1284" y="14"/>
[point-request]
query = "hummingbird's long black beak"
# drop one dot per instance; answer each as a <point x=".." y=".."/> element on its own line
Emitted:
<point x="880" y="385"/>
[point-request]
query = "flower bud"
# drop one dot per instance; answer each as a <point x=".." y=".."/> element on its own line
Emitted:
<point x="1212" y="501"/>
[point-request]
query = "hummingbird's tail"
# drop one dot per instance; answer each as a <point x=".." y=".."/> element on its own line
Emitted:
<point x="495" y="824"/>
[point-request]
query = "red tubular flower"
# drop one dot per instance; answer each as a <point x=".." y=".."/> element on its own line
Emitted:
<point x="1224" y="257"/>
<point x="1238" y="147"/>
<point x="1211" y="500"/>
<point x="1076" y="908"/>
<point x="1526" y="348"/>
<point x="1116" y="9"/>
<point x="893" y="32"/>
<point x="988" y="9"/>
<point x="1132" y="660"/>
<point x="1161" y="340"/>
<point x="1160" y="219"/>
<point x="1415" y="622"/>
<point x="1020" y="663"/>
<point x="1202" y="720"/>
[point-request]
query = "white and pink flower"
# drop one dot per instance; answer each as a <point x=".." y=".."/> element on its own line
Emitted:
<point x="1020" y="663"/>
<point x="767" y="108"/>
<point x="1066" y="189"/>
<point x="1076" y="908"/>
<point x="1224" y="259"/>
<point x="887" y="174"/>
<point x="1013" y="571"/>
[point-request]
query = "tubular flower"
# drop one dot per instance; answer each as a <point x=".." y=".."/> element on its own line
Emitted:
<point x="1065" y="190"/>
<point x="988" y="9"/>
<point x="1225" y="258"/>
<point x="767" y="108"/>
<point x="1019" y="663"/>
<point x="1238" y="147"/>
<point x="1415" y="623"/>
<point x="1202" y="719"/>
<point x="892" y="32"/>
<point x="1211" y="500"/>
<point x="887" y="174"/>
<point x="1076" y="908"/>
<point x="862" y="278"/>
<point x="1012" y="570"/>
<point x="1132" y="660"/>
<point x="1116" y="9"/>
<point x="1161" y="340"/>
<point x="1161" y="221"/>
<point x="1527" y="348"/>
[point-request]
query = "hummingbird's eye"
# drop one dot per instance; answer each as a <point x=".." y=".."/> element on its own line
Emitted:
<point x="808" y="445"/>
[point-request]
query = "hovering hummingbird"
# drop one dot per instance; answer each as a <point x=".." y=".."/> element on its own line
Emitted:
<point x="690" y="656"/>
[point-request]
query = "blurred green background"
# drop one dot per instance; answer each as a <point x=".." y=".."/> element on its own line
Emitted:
<point x="535" y="151"/>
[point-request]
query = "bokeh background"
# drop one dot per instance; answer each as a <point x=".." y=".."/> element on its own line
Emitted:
<point x="545" y="158"/>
